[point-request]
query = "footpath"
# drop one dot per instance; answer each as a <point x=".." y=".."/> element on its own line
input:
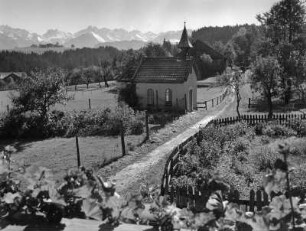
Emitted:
<point x="130" y="176"/>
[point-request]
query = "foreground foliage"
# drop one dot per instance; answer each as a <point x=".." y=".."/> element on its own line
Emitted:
<point x="85" y="195"/>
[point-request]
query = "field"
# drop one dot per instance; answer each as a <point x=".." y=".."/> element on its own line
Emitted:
<point x="59" y="154"/>
<point x="99" y="97"/>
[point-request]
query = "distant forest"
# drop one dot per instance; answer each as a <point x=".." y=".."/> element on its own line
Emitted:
<point x="234" y="43"/>
<point x="68" y="60"/>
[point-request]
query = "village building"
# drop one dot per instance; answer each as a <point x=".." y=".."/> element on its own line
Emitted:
<point x="167" y="83"/>
<point x="8" y="80"/>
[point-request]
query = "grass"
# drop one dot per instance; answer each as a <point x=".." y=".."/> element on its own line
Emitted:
<point x="59" y="154"/>
<point x="99" y="97"/>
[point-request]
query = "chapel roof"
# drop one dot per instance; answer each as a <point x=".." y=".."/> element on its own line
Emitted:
<point x="163" y="70"/>
<point x="184" y="42"/>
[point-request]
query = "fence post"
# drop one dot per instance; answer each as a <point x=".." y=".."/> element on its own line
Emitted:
<point x="78" y="151"/>
<point x="147" y="125"/>
<point x="89" y="104"/>
<point x="122" y="139"/>
<point x="205" y="104"/>
<point x="249" y="106"/>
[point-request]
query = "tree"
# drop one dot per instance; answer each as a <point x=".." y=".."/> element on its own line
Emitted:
<point x="154" y="50"/>
<point x="232" y="79"/>
<point x="265" y="78"/>
<point x="283" y="26"/>
<point x="105" y="71"/>
<point x="40" y="91"/>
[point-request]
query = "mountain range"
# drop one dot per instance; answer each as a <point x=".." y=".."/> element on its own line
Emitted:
<point x="11" y="38"/>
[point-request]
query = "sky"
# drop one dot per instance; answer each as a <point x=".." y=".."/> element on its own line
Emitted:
<point x="144" y="15"/>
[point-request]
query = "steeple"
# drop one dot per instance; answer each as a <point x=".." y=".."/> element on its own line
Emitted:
<point x="184" y="42"/>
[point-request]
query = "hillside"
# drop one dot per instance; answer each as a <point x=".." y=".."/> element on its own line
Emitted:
<point x="214" y="34"/>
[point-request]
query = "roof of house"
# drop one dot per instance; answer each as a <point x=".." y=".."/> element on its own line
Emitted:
<point x="3" y="75"/>
<point x="163" y="70"/>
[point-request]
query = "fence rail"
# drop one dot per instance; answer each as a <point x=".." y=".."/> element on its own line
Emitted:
<point x="214" y="101"/>
<point x="195" y="197"/>
<point x="281" y="119"/>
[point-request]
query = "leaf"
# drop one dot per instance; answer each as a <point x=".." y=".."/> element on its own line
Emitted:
<point x="215" y="202"/>
<point x="84" y="191"/>
<point x="92" y="209"/>
<point x="10" y="198"/>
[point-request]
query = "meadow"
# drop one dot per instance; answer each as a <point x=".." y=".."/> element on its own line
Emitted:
<point x="59" y="154"/>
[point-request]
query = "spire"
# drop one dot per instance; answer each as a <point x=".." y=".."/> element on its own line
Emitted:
<point x="184" y="43"/>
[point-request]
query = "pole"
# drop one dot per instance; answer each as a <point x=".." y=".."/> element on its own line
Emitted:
<point x="89" y="104"/>
<point x="78" y="151"/>
<point x="147" y="125"/>
<point x="122" y="139"/>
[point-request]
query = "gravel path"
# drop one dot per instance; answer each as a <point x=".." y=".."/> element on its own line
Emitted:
<point x="131" y="176"/>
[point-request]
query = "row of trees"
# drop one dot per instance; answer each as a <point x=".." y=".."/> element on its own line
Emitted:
<point x="275" y="52"/>
<point x="280" y="65"/>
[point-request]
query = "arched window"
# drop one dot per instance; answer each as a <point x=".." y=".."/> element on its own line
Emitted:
<point x="168" y="97"/>
<point x="150" y="97"/>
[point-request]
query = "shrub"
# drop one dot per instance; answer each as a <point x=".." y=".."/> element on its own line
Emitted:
<point x="263" y="158"/>
<point x="276" y="130"/>
<point x="23" y="125"/>
<point x="300" y="127"/>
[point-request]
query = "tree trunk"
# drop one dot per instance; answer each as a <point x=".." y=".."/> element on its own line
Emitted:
<point x="270" y="105"/>
<point x="105" y="81"/>
<point x="238" y="103"/>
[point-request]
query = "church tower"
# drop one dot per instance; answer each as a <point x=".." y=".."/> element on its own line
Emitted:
<point x="184" y="43"/>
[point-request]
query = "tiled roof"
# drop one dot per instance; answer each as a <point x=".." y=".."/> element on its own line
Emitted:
<point x="163" y="70"/>
<point x="5" y="74"/>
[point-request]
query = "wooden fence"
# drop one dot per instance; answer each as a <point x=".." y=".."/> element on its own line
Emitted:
<point x="214" y="101"/>
<point x="195" y="197"/>
<point x="281" y="119"/>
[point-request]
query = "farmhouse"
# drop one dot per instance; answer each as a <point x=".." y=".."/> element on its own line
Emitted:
<point x="167" y="83"/>
<point x="9" y="79"/>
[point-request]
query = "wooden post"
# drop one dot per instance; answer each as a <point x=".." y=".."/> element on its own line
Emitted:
<point x="205" y="104"/>
<point x="147" y="125"/>
<point x="122" y="139"/>
<point x="89" y="104"/>
<point x="185" y="98"/>
<point x="78" y="150"/>
<point x="249" y="106"/>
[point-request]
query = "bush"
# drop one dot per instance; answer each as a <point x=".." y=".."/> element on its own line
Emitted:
<point x="276" y="130"/>
<point x="23" y="125"/>
<point x="68" y="124"/>
<point x="263" y="158"/>
<point x="300" y="127"/>
<point x="163" y="117"/>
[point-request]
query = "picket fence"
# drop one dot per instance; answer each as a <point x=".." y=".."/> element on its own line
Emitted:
<point x="197" y="197"/>
<point x="280" y="118"/>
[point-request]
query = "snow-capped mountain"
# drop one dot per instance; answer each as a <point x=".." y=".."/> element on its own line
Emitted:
<point x="54" y="36"/>
<point x="88" y="37"/>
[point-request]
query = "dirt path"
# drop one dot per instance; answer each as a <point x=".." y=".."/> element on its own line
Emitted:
<point x="150" y="168"/>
